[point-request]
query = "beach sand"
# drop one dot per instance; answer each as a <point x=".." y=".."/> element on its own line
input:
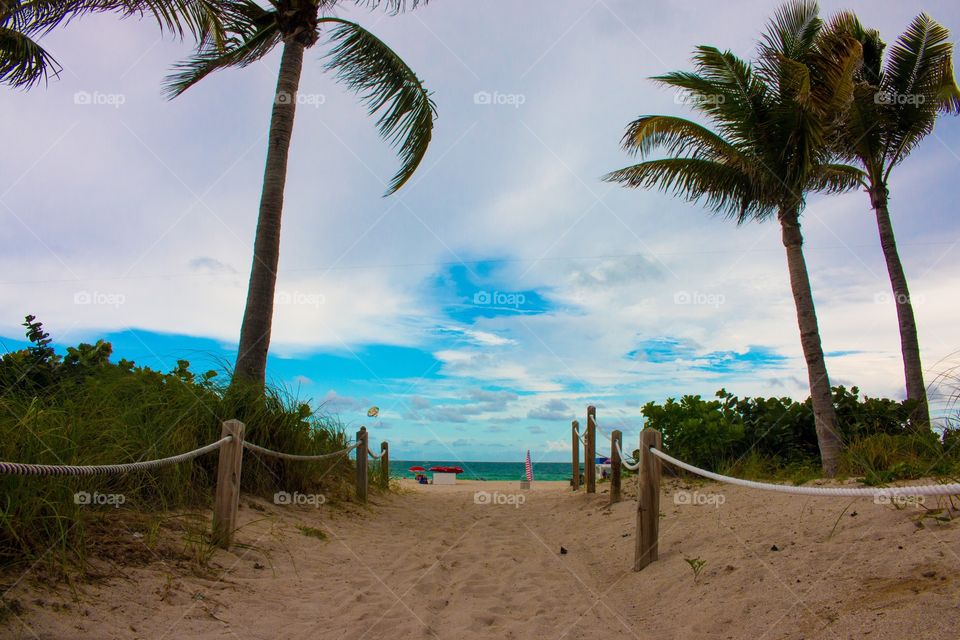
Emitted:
<point x="447" y="562"/>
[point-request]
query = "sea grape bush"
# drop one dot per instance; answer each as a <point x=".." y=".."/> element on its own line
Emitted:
<point x="714" y="433"/>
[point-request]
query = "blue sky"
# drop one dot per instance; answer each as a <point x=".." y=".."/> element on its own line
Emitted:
<point x="505" y="288"/>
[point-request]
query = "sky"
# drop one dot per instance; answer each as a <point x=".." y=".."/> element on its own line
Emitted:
<point x="506" y="287"/>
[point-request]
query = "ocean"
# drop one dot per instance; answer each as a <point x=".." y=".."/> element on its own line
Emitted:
<point x="487" y="470"/>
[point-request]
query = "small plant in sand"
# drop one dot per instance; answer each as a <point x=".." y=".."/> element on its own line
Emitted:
<point x="312" y="532"/>
<point x="696" y="564"/>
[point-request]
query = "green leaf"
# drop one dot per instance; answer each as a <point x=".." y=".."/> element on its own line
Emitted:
<point x="387" y="86"/>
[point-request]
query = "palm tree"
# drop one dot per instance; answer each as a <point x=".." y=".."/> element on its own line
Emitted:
<point x="895" y="106"/>
<point x="769" y="150"/>
<point x="24" y="62"/>
<point x="365" y="64"/>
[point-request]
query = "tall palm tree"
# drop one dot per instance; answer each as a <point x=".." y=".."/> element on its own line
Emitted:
<point x="364" y="63"/>
<point x="24" y="62"/>
<point x="895" y="106"/>
<point x="768" y="151"/>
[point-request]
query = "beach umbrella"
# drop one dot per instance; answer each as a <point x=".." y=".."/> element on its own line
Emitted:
<point x="447" y="469"/>
<point x="529" y="467"/>
<point x="417" y="468"/>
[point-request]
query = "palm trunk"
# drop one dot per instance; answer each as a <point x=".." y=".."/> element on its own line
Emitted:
<point x="825" y="417"/>
<point x="258" y="315"/>
<point x="909" y="344"/>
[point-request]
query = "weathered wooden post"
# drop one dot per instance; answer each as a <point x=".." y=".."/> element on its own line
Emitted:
<point x="590" y="450"/>
<point x="616" y="437"/>
<point x="576" y="455"/>
<point x="227" y="496"/>
<point x="384" y="465"/>
<point x="648" y="502"/>
<point x="362" y="464"/>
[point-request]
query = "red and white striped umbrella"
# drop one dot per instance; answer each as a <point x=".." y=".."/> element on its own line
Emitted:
<point x="529" y="466"/>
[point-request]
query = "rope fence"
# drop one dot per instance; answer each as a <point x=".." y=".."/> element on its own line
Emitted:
<point x="297" y="457"/>
<point x="227" y="493"/>
<point x="21" y="469"/>
<point x="848" y="492"/>
<point x="648" y="466"/>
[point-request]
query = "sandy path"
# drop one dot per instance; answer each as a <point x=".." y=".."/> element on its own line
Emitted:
<point x="434" y="564"/>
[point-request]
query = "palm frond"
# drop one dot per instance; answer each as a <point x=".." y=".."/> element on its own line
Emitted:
<point x="722" y="188"/>
<point x="676" y="136"/>
<point x="836" y="178"/>
<point x="917" y="83"/>
<point x="917" y="53"/>
<point x="792" y="31"/>
<point x="387" y="85"/>
<point x="201" y="18"/>
<point x="23" y="62"/>
<point x="251" y="32"/>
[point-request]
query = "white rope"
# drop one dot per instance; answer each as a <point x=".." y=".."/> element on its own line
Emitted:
<point x="852" y="492"/>
<point x="21" y="469"/>
<point x="633" y="466"/>
<point x="291" y="456"/>
<point x="579" y="437"/>
<point x="596" y="426"/>
<point x="373" y="455"/>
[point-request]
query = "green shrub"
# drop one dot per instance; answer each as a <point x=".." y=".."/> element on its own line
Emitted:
<point x="81" y="409"/>
<point x="776" y="437"/>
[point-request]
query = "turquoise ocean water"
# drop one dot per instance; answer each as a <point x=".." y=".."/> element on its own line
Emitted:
<point x="487" y="470"/>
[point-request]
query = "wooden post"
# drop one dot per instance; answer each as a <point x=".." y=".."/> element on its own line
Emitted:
<point x="362" y="464"/>
<point x="648" y="502"/>
<point x="384" y="465"/>
<point x="616" y="437"/>
<point x="590" y="450"/>
<point x="576" y="455"/>
<point x="227" y="496"/>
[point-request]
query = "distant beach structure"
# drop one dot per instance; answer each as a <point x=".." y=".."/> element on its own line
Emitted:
<point x="494" y="471"/>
